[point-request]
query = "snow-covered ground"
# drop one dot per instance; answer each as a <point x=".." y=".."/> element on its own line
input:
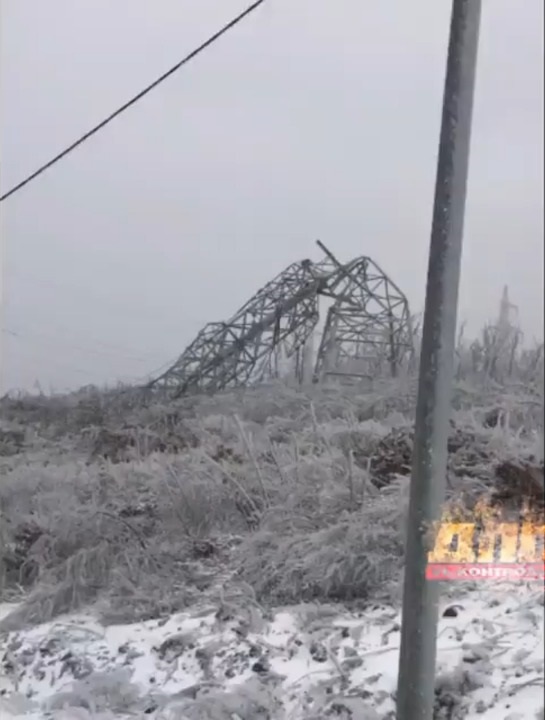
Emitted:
<point x="303" y="662"/>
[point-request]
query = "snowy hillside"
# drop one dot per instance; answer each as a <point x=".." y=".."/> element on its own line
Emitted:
<point x="240" y="557"/>
<point x="302" y="662"/>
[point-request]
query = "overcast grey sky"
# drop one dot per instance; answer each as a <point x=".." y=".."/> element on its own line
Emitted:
<point x="313" y="119"/>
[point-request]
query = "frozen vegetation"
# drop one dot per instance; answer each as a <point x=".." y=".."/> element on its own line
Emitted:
<point x="240" y="557"/>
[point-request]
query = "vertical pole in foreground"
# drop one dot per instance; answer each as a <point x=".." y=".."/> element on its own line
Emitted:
<point x="415" y="695"/>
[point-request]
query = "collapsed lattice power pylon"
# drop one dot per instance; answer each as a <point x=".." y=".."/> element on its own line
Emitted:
<point x="367" y="323"/>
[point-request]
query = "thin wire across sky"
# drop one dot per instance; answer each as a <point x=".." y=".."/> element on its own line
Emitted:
<point x="135" y="99"/>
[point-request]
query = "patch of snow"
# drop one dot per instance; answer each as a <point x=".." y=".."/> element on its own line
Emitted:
<point x="304" y="658"/>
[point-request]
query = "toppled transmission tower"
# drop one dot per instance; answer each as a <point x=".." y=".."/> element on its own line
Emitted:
<point x="367" y="322"/>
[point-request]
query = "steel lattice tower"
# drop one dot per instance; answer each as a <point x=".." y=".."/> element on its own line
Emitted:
<point x="368" y="321"/>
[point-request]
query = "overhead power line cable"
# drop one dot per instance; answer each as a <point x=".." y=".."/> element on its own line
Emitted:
<point x="212" y="39"/>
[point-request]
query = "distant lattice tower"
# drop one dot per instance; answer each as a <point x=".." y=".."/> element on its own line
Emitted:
<point x="367" y="325"/>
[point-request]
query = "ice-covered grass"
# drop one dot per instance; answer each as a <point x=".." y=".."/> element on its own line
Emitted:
<point x="120" y="524"/>
<point x="299" y="495"/>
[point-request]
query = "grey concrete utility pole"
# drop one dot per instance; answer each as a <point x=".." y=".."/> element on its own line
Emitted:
<point x="415" y="694"/>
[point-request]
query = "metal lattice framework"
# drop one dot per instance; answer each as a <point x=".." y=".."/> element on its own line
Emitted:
<point x="368" y="320"/>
